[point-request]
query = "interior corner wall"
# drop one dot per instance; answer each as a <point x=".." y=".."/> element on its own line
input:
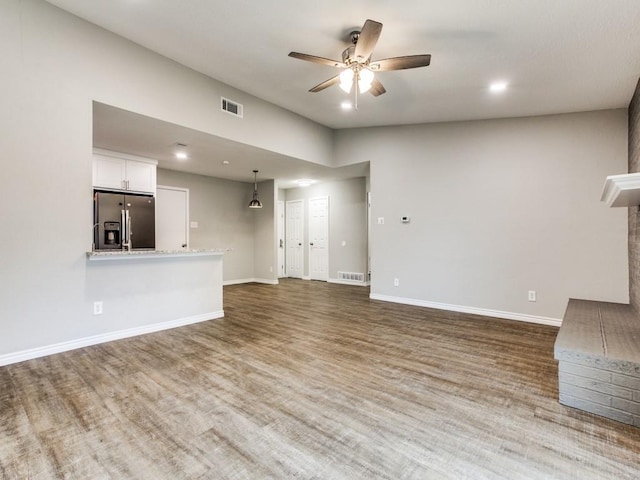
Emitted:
<point x="224" y="221"/>
<point x="348" y="243"/>
<point x="634" y="212"/>
<point x="265" y="249"/>
<point x="497" y="208"/>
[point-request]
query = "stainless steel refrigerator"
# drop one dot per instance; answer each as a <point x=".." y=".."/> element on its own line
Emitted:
<point x="124" y="221"/>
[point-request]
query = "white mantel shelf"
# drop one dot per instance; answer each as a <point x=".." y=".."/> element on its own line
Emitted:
<point x="622" y="190"/>
<point x="144" y="254"/>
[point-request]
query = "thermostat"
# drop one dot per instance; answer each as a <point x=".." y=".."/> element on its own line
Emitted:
<point x="405" y="219"/>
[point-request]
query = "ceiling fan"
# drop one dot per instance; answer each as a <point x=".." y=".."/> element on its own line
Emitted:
<point x="357" y="66"/>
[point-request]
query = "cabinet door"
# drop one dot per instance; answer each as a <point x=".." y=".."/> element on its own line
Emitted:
<point x="141" y="177"/>
<point x="109" y="172"/>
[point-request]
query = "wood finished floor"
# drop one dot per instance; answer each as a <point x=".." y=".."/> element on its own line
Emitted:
<point x="308" y="380"/>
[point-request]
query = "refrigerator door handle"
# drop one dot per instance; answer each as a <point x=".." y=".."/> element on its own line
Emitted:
<point x="125" y="234"/>
<point x="129" y="231"/>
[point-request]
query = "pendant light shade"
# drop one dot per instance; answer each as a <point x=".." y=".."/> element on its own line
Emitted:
<point x="255" y="203"/>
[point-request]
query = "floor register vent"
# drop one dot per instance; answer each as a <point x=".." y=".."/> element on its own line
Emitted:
<point x="231" y="107"/>
<point x="351" y="276"/>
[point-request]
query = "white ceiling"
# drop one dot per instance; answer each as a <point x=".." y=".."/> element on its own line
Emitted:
<point x="557" y="55"/>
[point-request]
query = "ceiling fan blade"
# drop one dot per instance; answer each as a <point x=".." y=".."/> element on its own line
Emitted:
<point x="376" y="88"/>
<point x="326" y="84"/>
<point x="400" y="63"/>
<point x="314" y="59"/>
<point x="367" y="39"/>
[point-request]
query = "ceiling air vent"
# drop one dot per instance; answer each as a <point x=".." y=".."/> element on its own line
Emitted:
<point x="229" y="106"/>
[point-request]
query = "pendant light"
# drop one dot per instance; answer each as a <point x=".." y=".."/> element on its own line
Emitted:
<point x="255" y="203"/>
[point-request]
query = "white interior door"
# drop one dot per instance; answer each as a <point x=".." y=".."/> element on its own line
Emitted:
<point x="295" y="237"/>
<point x="172" y="218"/>
<point x="319" y="238"/>
<point x="280" y="226"/>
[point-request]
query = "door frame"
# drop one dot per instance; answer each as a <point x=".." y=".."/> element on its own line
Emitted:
<point x="187" y="225"/>
<point x="281" y="228"/>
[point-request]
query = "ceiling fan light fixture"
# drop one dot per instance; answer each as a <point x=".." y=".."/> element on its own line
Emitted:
<point x="346" y="79"/>
<point x="255" y="202"/>
<point x="365" y="78"/>
<point x="356" y="63"/>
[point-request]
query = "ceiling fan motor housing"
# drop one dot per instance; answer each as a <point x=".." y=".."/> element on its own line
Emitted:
<point x="348" y="55"/>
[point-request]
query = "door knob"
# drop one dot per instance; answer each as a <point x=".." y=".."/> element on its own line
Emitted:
<point x="311" y="243"/>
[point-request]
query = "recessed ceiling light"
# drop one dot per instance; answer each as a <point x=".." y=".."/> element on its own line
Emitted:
<point x="225" y="162"/>
<point x="346" y="105"/>
<point x="497" y="87"/>
<point x="181" y="155"/>
<point x="304" y="182"/>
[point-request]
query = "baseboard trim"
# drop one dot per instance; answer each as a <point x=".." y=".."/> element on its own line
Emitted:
<point x="268" y="281"/>
<point x="348" y="282"/>
<point x="521" y="317"/>
<point x="32" y="353"/>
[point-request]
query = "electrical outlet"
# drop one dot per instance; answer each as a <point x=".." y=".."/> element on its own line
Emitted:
<point x="97" y="308"/>
<point x="532" y="295"/>
<point x="396" y="282"/>
<point x="380" y="220"/>
<point x="271" y="269"/>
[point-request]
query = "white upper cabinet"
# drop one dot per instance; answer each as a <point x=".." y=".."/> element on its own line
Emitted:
<point x="109" y="172"/>
<point x="116" y="171"/>
<point x="140" y="176"/>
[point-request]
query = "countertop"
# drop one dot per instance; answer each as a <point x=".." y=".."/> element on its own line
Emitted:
<point x="140" y="254"/>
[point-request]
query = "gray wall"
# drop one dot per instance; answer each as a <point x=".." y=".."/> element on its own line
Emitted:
<point x="224" y="221"/>
<point x="347" y="222"/>
<point x="497" y="208"/>
<point x="634" y="212"/>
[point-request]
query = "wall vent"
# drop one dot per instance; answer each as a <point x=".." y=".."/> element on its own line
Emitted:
<point x="351" y="276"/>
<point x="231" y="107"/>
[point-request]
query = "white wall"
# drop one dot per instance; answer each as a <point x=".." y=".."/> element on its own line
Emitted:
<point x="53" y="66"/>
<point x="347" y="223"/>
<point x="497" y="208"/>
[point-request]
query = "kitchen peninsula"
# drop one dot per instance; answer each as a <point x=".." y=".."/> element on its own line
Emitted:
<point x="139" y="292"/>
<point x="141" y="254"/>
